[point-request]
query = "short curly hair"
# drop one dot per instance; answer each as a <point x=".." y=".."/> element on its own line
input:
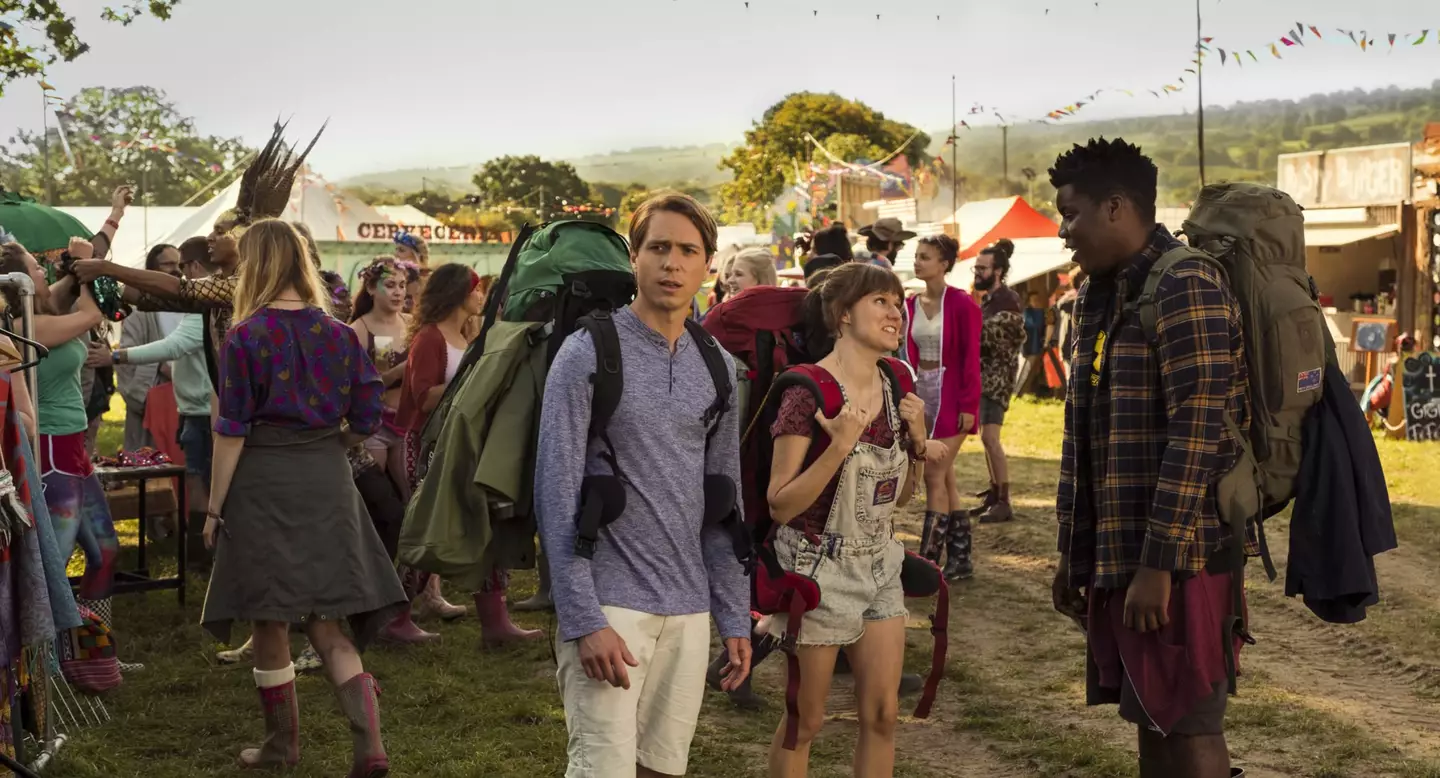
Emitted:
<point x="1104" y="168"/>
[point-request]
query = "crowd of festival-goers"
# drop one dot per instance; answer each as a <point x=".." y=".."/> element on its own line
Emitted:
<point x="300" y="404"/>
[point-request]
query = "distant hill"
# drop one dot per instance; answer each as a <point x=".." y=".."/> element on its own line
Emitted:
<point x="654" y="167"/>
<point x="1241" y="143"/>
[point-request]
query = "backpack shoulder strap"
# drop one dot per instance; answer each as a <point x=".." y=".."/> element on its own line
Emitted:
<point x="607" y="382"/>
<point x="1147" y="304"/>
<point x="901" y="380"/>
<point x="719" y="374"/>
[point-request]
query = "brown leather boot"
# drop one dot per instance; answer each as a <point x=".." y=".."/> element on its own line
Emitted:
<point x="360" y="700"/>
<point x="281" y="747"/>
<point x="991" y="496"/>
<point x="1000" y="511"/>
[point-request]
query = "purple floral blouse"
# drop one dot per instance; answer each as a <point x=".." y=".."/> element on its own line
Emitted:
<point x="300" y="369"/>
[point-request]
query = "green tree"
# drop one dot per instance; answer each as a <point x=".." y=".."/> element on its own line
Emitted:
<point x="120" y="136"/>
<point x="765" y="164"/>
<point x="55" y="32"/>
<point x="530" y="184"/>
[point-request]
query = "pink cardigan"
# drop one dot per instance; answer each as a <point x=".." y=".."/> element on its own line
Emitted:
<point x="959" y="355"/>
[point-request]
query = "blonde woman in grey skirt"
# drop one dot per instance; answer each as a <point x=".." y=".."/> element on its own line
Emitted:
<point x="293" y="543"/>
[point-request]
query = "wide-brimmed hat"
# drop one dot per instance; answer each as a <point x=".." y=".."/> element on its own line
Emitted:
<point x="888" y="229"/>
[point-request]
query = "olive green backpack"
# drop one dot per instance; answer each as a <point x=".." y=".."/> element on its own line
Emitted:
<point x="1256" y="236"/>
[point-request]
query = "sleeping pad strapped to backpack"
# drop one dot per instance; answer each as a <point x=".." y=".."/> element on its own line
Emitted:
<point x="765" y="329"/>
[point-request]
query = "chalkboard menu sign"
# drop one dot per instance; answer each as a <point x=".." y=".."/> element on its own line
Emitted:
<point x="1420" y="382"/>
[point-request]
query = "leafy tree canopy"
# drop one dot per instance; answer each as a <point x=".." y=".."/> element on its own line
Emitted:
<point x="531" y="184"/>
<point x="765" y="164"/>
<point x="119" y="136"/>
<point x="46" y="22"/>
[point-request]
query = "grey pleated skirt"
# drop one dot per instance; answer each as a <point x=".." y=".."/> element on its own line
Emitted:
<point x="297" y="544"/>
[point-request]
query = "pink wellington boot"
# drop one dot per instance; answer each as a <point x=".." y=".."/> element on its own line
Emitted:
<point x="496" y="628"/>
<point x="360" y="700"/>
<point x="281" y="747"/>
<point x="402" y="630"/>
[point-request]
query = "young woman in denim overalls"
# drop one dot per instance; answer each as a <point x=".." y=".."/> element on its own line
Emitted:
<point x="845" y="499"/>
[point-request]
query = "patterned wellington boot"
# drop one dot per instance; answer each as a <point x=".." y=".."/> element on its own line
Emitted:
<point x="938" y="533"/>
<point x="959" y="565"/>
<point x="281" y="747"/>
<point x="360" y="700"/>
<point x="432" y="603"/>
<point x="927" y="535"/>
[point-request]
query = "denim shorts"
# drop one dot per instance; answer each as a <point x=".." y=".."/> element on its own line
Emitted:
<point x="196" y="442"/>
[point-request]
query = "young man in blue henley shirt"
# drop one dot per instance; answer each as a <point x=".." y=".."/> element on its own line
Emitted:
<point x="635" y="621"/>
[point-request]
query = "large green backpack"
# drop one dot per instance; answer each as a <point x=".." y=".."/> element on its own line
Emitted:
<point x="1256" y="236"/>
<point x="555" y="274"/>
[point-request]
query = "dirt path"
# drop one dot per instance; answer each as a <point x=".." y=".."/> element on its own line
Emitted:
<point x="1009" y="637"/>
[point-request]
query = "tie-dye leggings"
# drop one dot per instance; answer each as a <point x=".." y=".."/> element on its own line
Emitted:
<point x="79" y="511"/>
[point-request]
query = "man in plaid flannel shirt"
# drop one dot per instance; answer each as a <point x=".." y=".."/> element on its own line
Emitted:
<point x="1144" y="444"/>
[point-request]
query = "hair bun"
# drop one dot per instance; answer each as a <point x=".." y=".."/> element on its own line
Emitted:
<point x="1004" y="247"/>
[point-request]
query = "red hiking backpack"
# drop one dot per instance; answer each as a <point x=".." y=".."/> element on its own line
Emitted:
<point x="762" y="328"/>
<point x="775" y="590"/>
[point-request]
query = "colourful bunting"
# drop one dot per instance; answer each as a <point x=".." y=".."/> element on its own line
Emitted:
<point x="1423" y="35"/>
<point x="1222" y="57"/>
<point x="1285" y="41"/>
<point x="1316" y="31"/>
<point x="1252" y="56"/>
<point x="1392" y="40"/>
<point x="1275" y="50"/>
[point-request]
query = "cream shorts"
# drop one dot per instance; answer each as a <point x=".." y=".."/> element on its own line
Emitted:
<point x="652" y="722"/>
<point x="858" y="583"/>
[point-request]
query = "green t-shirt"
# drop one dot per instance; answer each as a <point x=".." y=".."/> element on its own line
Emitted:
<point x="62" y="405"/>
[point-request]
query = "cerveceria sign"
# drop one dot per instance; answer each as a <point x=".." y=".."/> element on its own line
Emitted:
<point x="443" y="233"/>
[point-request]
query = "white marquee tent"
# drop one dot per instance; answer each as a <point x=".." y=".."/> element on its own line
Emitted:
<point x="329" y="212"/>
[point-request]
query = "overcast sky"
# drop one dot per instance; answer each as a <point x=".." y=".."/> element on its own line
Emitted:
<point x="448" y="82"/>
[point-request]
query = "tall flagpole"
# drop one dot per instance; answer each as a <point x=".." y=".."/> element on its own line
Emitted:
<point x="1200" y="92"/>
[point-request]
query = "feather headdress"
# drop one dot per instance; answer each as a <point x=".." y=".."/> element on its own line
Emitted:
<point x="265" y="186"/>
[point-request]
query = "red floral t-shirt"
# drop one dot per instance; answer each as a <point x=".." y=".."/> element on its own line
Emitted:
<point x="797" y="417"/>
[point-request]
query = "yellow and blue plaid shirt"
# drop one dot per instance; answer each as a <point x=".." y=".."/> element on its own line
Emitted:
<point x="1145" y="438"/>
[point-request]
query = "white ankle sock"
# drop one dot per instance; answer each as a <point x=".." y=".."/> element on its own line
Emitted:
<point x="266" y="679"/>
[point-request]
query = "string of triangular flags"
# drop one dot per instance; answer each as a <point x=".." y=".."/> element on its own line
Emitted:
<point x="1301" y="34"/>
<point x="1177" y="84"/>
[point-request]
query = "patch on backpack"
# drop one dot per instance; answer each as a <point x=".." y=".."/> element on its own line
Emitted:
<point x="885" y="491"/>
<point x="1309" y="381"/>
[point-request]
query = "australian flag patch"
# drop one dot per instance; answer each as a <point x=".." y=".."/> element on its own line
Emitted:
<point x="1309" y="381"/>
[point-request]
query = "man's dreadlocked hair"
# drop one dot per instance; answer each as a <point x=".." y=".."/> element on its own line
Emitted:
<point x="265" y="187"/>
<point x="1103" y="168"/>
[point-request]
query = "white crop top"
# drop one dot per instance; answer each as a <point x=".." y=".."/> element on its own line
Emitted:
<point x="927" y="333"/>
<point x="452" y="361"/>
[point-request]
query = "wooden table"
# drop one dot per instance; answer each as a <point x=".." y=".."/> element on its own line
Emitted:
<point x="139" y="579"/>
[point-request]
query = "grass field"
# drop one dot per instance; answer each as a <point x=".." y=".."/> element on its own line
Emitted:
<point x="1315" y="700"/>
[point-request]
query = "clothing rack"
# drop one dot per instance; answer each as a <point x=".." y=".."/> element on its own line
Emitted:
<point x="45" y="665"/>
